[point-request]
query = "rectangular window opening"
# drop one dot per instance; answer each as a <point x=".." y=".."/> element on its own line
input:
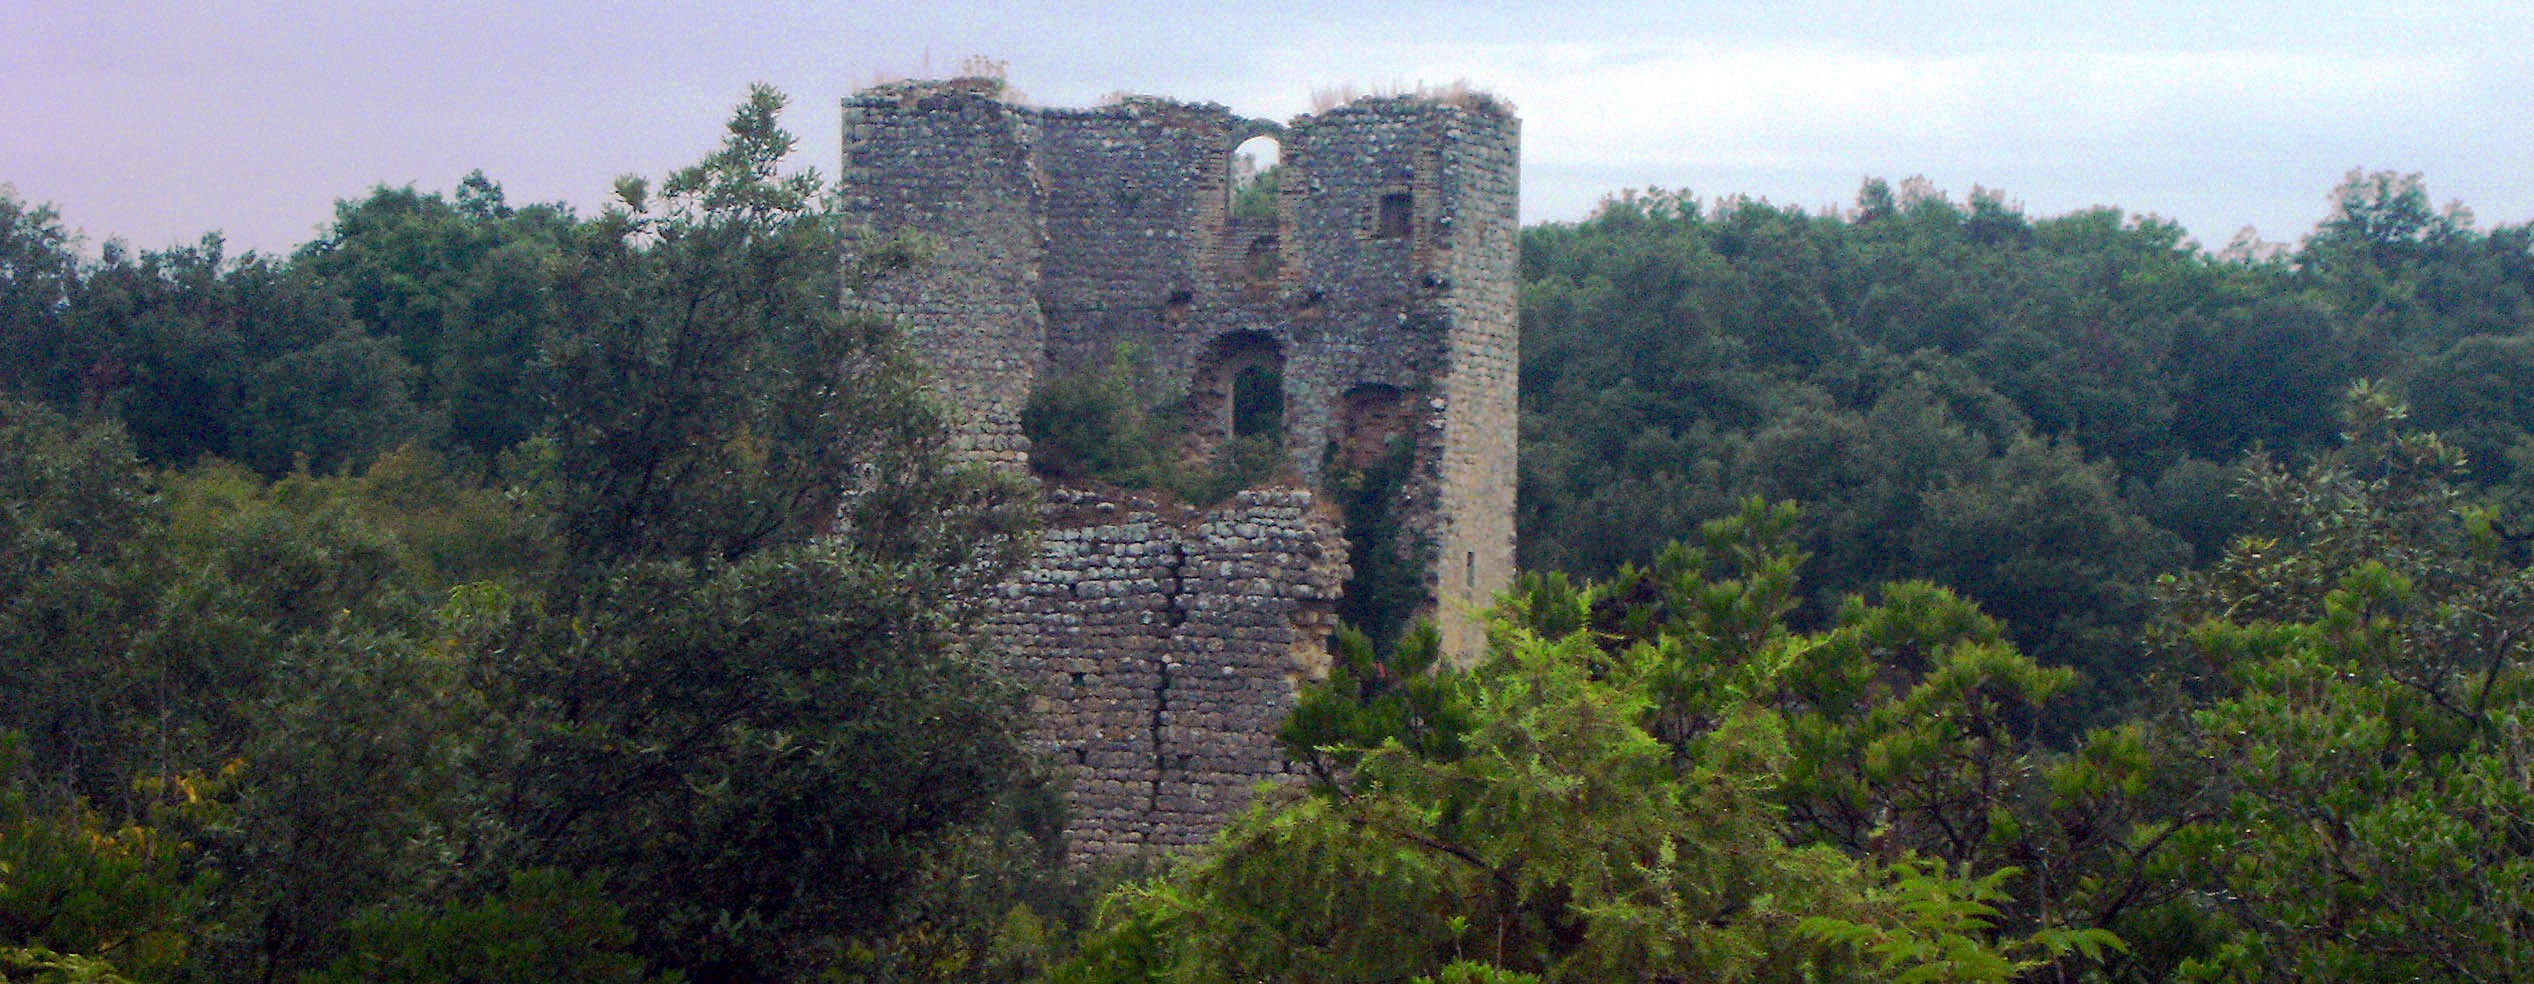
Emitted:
<point x="1397" y="209"/>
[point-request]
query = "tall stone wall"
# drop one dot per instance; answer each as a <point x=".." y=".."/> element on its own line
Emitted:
<point x="1165" y="645"/>
<point x="948" y="165"/>
<point x="1479" y="262"/>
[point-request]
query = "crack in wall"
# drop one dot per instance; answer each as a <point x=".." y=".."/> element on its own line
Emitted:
<point x="1161" y="754"/>
<point x="1174" y="615"/>
<point x="1175" y="612"/>
<point x="1195" y="618"/>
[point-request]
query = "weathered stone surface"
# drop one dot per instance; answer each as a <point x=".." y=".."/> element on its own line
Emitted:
<point x="1163" y="711"/>
<point x="1166" y="643"/>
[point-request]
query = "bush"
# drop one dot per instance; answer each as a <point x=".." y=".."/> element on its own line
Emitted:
<point x="1093" y="426"/>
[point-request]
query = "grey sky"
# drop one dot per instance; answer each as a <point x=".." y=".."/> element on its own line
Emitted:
<point x="160" y="121"/>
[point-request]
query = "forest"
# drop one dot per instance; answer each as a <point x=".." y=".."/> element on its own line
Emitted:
<point x="1917" y="590"/>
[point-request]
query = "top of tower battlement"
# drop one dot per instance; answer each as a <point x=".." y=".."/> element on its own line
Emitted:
<point x="909" y="92"/>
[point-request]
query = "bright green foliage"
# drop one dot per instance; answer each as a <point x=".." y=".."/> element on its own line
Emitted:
<point x="1943" y="922"/>
<point x="1609" y="811"/>
<point x="1371" y="698"/>
<point x="1916" y="727"/>
<point x="40" y="965"/>
<point x="1257" y="198"/>
<point x="2363" y="733"/>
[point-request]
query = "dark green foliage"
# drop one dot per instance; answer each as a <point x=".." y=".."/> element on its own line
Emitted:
<point x="252" y="360"/>
<point x="690" y="420"/>
<point x="545" y="925"/>
<point x="2479" y="396"/>
<point x="39" y="273"/>
<point x="1258" y="404"/>
<point x="790" y="732"/>
<point x="329" y="406"/>
<point x="1385" y="588"/>
<point x="1095" y="425"/>
<point x="1403" y="694"/>
<point x="714" y="711"/>
<point x="353" y="793"/>
<point x="462" y="289"/>
<point x="414" y="320"/>
<point x="485" y="593"/>
<point x="2033" y="412"/>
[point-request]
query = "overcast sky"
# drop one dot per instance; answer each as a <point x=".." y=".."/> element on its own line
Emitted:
<point x="157" y="122"/>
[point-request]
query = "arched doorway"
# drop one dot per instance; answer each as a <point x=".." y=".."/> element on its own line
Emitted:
<point x="1238" y="391"/>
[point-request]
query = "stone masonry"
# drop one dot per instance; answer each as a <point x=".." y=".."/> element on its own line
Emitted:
<point x="1164" y="646"/>
<point x="1165" y="643"/>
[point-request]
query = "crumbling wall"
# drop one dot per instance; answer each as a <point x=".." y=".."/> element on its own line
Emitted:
<point x="1380" y="292"/>
<point x="1164" y="646"/>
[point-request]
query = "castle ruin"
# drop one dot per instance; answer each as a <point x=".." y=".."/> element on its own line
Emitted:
<point x="1369" y="303"/>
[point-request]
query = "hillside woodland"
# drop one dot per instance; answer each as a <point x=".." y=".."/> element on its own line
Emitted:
<point x="1918" y="590"/>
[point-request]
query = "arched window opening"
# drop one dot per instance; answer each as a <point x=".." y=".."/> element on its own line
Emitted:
<point x="1255" y="178"/>
<point x="1258" y="403"/>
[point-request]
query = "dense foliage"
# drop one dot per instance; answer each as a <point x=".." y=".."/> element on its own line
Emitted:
<point x="490" y="592"/>
<point x="1657" y="777"/>
<point x="2042" y="414"/>
<point x="477" y="595"/>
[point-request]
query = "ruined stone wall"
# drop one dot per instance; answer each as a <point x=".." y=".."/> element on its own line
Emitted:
<point x="1164" y="646"/>
<point x="1480" y="263"/>
<point x="1405" y="208"/>
<point x="1128" y="227"/>
<point x="948" y="165"/>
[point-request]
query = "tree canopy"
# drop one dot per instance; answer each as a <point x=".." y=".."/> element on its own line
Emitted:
<point x="1918" y="590"/>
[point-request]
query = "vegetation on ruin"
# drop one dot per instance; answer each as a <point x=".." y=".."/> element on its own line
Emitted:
<point x="1256" y="197"/>
<point x="1920" y="592"/>
<point x="1100" y="425"/>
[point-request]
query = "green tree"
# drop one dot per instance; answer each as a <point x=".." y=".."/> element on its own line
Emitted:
<point x="81" y="896"/>
<point x="462" y="288"/>
<point x="754" y="654"/>
<point x="39" y="273"/>
<point x="544" y="925"/>
<point x="2364" y="669"/>
<point x="1598" y="801"/>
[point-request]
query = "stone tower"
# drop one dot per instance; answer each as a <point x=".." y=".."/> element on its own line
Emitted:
<point x="1374" y="294"/>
